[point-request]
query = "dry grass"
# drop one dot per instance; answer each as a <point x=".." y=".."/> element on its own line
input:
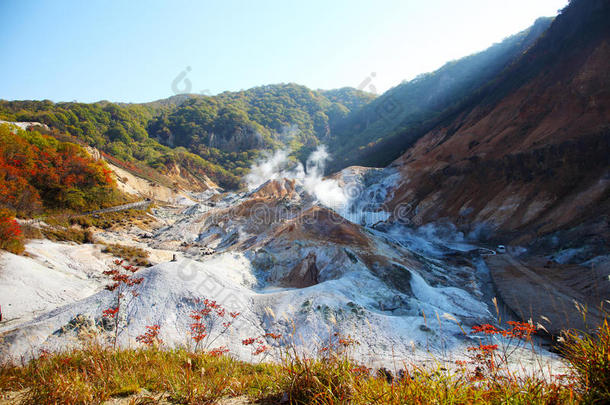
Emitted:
<point x="589" y="355"/>
<point x="111" y="219"/>
<point x="67" y="234"/>
<point x="133" y="254"/>
<point x="96" y="374"/>
<point x="68" y="228"/>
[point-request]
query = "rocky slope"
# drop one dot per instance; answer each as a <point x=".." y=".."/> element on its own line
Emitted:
<point x="289" y="265"/>
<point x="376" y="134"/>
<point x="530" y="153"/>
<point x="526" y="161"/>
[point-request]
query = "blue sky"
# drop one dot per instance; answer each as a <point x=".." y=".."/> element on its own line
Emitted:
<point x="132" y="51"/>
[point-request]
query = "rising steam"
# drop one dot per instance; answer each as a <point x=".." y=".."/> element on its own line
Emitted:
<point x="278" y="166"/>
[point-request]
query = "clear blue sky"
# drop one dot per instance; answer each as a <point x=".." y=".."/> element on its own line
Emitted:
<point x="132" y="51"/>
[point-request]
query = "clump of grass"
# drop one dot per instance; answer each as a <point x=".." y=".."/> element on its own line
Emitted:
<point x="31" y="232"/>
<point x="309" y="380"/>
<point x="589" y="356"/>
<point x="66" y="228"/>
<point x="67" y="234"/>
<point x="133" y="254"/>
<point x="111" y="219"/>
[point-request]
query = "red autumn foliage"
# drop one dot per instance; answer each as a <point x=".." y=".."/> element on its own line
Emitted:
<point x="248" y="341"/>
<point x="260" y="349"/>
<point x="217" y="352"/>
<point x="39" y="171"/>
<point x="338" y="344"/>
<point x="517" y="330"/>
<point x="258" y="343"/>
<point x="110" y="312"/>
<point x="123" y="281"/>
<point x="11" y="238"/>
<point x="487" y="356"/>
<point x="151" y="336"/>
<point x="205" y="319"/>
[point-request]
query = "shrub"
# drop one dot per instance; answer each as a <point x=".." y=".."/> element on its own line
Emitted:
<point x="11" y="237"/>
<point x="31" y="232"/>
<point x="123" y="281"/>
<point x="108" y="220"/>
<point x="209" y="322"/>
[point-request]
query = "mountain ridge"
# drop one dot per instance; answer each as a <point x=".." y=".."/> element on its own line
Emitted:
<point x="224" y="134"/>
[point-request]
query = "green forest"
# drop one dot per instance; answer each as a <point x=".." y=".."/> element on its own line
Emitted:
<point x="217" y="136"/>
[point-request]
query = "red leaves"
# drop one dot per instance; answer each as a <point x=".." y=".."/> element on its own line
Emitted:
<point x="120" y="278"/>
<point x="111" y="312"/>
<point x="198" y="331"/>
<point x="275" y="336"/>
<point x="484" y="348"/>
<point x="518" y="330"/>
<point x="260" y="349"/>
<point x="260" y="343"/>
<point x="521" y="330"/>
<point x="248" y="341"/>
<point x="9" y="228"/>
<point x="217" y="352"/>
<point x="485" y="356"/>
<point x="10" y="233"/>
<point x="338" y="344"/>
<point x="34" y="165"/>
<point x="485" y="328"/>
<point x="151" y="336"/>
<point x="206" y="318"/>
<point x="123" y="279"/>
<point x="348" y="341"/>
<point x="361" y="371"/>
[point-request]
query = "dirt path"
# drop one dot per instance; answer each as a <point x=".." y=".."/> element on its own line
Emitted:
<point x="136" y="205"/>
<point x="545" y="293"/>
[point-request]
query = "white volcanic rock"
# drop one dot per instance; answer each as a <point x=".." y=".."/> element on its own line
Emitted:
<point x="53" y="275"/>
<point x="289" y="266"/>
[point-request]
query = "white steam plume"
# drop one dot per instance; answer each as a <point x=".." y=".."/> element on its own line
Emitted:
<point x="278" y="166"/>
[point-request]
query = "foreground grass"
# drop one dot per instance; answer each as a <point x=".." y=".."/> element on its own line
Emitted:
<point x="95" y="374"/>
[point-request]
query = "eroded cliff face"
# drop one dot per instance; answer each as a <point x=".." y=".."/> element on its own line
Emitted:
<point x="530" y="154"/>
<point x="526" y="163"/>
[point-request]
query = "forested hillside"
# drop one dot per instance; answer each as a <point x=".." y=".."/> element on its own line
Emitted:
<point x="230" y="128"/>
<point x="38" y="172"/>
<point x="215" y="136"/>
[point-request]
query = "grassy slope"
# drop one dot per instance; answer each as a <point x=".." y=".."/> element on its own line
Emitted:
<point x="94" y="375"/>
<point x="150" y="374"/>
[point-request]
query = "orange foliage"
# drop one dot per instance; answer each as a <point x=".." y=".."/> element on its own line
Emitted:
<point x="11" y="238"/>
<point x="38" y="171"/>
